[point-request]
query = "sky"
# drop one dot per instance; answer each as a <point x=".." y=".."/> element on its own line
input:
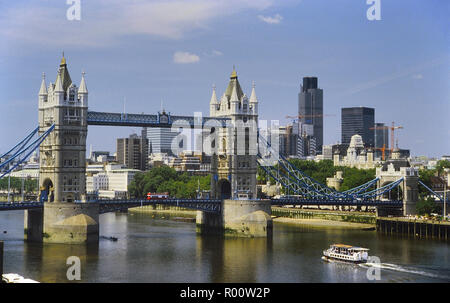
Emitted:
<point x="138" y="54"/>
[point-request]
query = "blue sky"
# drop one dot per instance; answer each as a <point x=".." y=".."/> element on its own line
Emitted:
<point x="148" y="51"/>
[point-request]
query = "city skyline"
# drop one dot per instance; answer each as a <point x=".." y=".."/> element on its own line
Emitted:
<point x="393" y="65"/>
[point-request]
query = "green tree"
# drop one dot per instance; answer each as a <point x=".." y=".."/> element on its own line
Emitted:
<point x="441" y="165"/>
<point x="166" y="179"/>
<point x="427" y="206"/>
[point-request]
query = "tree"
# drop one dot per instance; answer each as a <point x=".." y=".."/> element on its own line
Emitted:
<point x="441" y="165"/>
<point x="427" y="206"/>
<point x="166" y="179"/>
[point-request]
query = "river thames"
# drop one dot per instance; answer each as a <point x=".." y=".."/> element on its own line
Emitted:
<point x="161" y="250"/>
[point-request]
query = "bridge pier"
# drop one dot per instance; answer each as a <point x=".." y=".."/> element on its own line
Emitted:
<point x="71" y="223"/>
<point x="239" y="218"/>
<point x="66" y="223"/>
<point x="33" y="225"/>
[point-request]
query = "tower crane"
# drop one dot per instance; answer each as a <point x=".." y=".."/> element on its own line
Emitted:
<point x="383" y="149"/>
<point x="393" y="127"/>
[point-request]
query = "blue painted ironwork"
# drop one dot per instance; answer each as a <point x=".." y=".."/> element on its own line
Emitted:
<point x="207" y="205"/>
<point x="295" y="180"/>
<point x="441" y="198"/>
<point x="362" y="187"/>
<point x="144" y="120"/>
<point x="21" y="144"/>
<point x="21" y="205"/>
<point x="27" y="150"/>
<point x="336" y="202"/>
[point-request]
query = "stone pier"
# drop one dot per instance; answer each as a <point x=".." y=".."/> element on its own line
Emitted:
<point x="74" y="223"/>
<point x="240" y="218"/>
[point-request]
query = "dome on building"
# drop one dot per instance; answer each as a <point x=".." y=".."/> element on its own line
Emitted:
<point x="356" y="142"/>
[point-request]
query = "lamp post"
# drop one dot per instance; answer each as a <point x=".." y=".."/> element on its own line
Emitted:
<point x="447" y="170"/>
<point x="445" y="200"/>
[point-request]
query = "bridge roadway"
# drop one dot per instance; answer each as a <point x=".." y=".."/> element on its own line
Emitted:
<point x="207" y="205"/>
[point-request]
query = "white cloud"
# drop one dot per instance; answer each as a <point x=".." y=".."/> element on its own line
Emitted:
<point x="417" y="76"/>
<point x="271" y="20"/>
<point x="105" y="22"/>
<point x="217" y="53"/>
<point x="185" y="57"/>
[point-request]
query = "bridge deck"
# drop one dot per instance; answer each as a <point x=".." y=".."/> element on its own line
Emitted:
<point x="207" y="205"/>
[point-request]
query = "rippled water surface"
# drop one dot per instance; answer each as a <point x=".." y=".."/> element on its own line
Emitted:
<point x="161" y="250"/>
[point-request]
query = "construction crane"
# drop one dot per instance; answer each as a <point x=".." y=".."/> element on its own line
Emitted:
<point x="392" y="128"/>
<point x="383" y="149"/>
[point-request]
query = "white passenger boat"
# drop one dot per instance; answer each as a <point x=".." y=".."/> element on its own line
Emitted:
<point x="15" y="278"/>
<point x="346" y="253"/>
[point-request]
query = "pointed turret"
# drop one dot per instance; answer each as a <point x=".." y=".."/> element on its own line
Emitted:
<point x="234" y="100"/>
<point x="43" y="89"/>
<point x="83" y="87"/>
<point x="234" y="96"/>
<point x="58" y="83"/>
<point x="64" y="74"/>
<point x="213" y="103"/>
<point x="233" y="73"/>
<point x="234" y="85"/>
<point x="214" y="96"/>
<point x="82" y="91"/>
<point x="254" y="100"/>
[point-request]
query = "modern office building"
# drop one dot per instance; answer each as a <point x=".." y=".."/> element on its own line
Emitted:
<point x="109" y="181"/>
<point x="133" y="152"/>
<point x="160" y="140"/>
<point x="358" y="121"/>
<point x="310" y="108"/>
<point x="381" y="138"/>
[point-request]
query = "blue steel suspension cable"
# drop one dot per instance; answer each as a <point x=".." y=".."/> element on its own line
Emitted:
<point x="24" y="141"/>
<point x="33" y="146"/>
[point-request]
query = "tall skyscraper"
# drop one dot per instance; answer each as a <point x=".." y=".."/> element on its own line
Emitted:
<point x="133" y="152"/>
<point x="358" y="120"/>
<point x="310" y="107"/>
<point x="381" y="138"/>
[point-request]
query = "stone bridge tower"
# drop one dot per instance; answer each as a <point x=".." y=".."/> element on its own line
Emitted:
<point x="392" y="171"/>
<point x="233" y="164"/>
<point x="234" y="167"/>
<point x="66" y="218"/>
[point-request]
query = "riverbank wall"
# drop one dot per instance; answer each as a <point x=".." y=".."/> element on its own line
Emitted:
<point x="414" y="227"/>
<point x="293" y="213"/>
<point x="164" y="209"/>
<point x="299" y="213"/>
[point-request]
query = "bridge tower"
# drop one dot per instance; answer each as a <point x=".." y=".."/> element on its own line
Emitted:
<point x="234" y="166"/>
<point x="391" y="171"/>
<point x="66" y="218"/>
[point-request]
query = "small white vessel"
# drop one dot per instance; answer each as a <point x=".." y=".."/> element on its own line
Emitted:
<point x="346" y="253"/>
<point x="15" y="278"/>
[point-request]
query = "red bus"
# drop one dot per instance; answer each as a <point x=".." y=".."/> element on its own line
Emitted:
<point x="157" y="196"/>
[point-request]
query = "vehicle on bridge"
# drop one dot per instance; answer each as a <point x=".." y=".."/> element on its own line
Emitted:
<point x="157" y="196"/>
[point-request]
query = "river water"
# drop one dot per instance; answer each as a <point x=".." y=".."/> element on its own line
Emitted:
<point x="160" y="250"/>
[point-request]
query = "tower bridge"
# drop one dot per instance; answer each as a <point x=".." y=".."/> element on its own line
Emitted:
<point x="64" y="213"/>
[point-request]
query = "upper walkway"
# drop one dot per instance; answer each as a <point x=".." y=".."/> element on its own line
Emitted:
<point x="165" y="120"/>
